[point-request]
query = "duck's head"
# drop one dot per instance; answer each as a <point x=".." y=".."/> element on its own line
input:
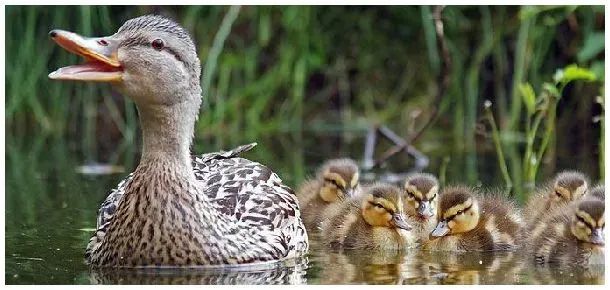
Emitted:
<point x="458" y="212"/>
<point x="421" y="191"/>
<point x="588" y="222"/>
<point x="382" y="206"/>
<point x="568" y="186"/>
<point x="340" y="179"/>
<point x="151" y="59"/>
<point x="598" y="192"/>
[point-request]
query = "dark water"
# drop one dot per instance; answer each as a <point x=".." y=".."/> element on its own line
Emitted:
<point x="50" y="213"/>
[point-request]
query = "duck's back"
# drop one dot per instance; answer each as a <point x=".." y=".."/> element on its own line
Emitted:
<point x="246" y="191"/>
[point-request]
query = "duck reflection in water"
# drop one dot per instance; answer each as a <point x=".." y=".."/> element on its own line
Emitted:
<point x="290" y="272"/>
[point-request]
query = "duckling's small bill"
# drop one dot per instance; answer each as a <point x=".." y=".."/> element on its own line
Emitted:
<point x="399" y="221"/>
<point x="597" y="237"/>
<point x="425" y="209"/>
<point x="100" y="54"/>
<point x="441" y="230"/>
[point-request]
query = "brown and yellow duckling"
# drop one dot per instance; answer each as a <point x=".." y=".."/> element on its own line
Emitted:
<point x="336" y="180"/>
<point x="373" y="220"/>
<point x="470" y="221"/>
<point x="574" y="235"/>
<point x="567" y="186"/>
<point x="421" y="199"/>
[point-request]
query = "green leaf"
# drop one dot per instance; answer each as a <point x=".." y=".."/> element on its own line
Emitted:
<point x="598" y="69"/>
<point x="572" y="73"/>
<point x="594" y="44"/>
<point x="551" y="89"/>
<point x="529" y="97"/>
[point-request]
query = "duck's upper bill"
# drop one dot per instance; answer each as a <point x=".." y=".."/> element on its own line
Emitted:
<point x="100" y="54"/>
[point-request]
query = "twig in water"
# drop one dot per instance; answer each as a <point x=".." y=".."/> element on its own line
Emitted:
<point x="442" y="81"/>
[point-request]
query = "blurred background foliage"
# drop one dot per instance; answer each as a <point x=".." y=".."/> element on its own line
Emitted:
<point x="291" y="76"/>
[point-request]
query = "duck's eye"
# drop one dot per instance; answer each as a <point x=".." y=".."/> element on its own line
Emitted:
<point x="158" y="44"/>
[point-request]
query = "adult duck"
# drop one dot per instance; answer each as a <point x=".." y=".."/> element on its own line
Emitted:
<point x="176" y="209"/>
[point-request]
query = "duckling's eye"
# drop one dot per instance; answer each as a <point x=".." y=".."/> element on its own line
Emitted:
<point x="558" y="194"/>
<point x="410" y="194"/>
<point x="580" y="219"/>
<point x="460" y="212"/>
<point x="158" y="44"/>
<point x="334" y="182"/>
<point x="378" y="205"/>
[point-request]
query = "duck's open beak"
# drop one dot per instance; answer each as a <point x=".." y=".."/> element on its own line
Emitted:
<point x="100" y="54"/>
<point x="442" y="229"/>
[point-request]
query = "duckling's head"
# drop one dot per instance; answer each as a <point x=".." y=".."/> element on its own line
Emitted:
<point x="598" y="192"/>
<point x="458" y="212"/>
<point x="421" y="190"/>
<point x="382" y="206"/>
<point x="151" y="59"/>
<point x="340" y="179"/>
<point x="588" y="222"/>
<point x="568" y="186"/>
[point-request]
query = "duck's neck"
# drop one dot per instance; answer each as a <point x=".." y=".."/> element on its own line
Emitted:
<point x="167" y="132"/>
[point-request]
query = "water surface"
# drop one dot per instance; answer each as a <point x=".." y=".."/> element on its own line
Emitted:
<point x="51" y="209"/>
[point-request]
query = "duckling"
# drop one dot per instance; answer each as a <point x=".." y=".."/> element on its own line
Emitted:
<point x="574" y="235"/>
<point x="421" y="190"/>
<point x="598" y="192"/>
<point x="336" y="180"/>
<point x="372" y="220"/>
<point x="470" y="221"/>
<point x="566" y="186"/>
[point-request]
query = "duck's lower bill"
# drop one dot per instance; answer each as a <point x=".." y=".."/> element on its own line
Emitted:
<point x="100" y="54"/>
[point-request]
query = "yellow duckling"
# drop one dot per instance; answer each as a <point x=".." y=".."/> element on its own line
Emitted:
<point x="469" y="221"/>
<point x="373" y="220"/>
<point x="336" y="180"/>
<point x="421" y="191"/>
<point x="567" y="186"/>
<point x="574" y="235"/>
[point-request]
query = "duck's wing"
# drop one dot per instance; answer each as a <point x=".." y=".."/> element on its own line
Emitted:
<point x="109" y="206"/>
<point x="246" y="190"/>
<point x="254" y="195"/>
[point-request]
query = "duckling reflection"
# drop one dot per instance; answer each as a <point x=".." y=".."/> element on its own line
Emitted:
<point x="563" y="274"/>
<point x="464" y="268"/>
<point x="356" y="266"/>
<point x="288" y="272"/>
